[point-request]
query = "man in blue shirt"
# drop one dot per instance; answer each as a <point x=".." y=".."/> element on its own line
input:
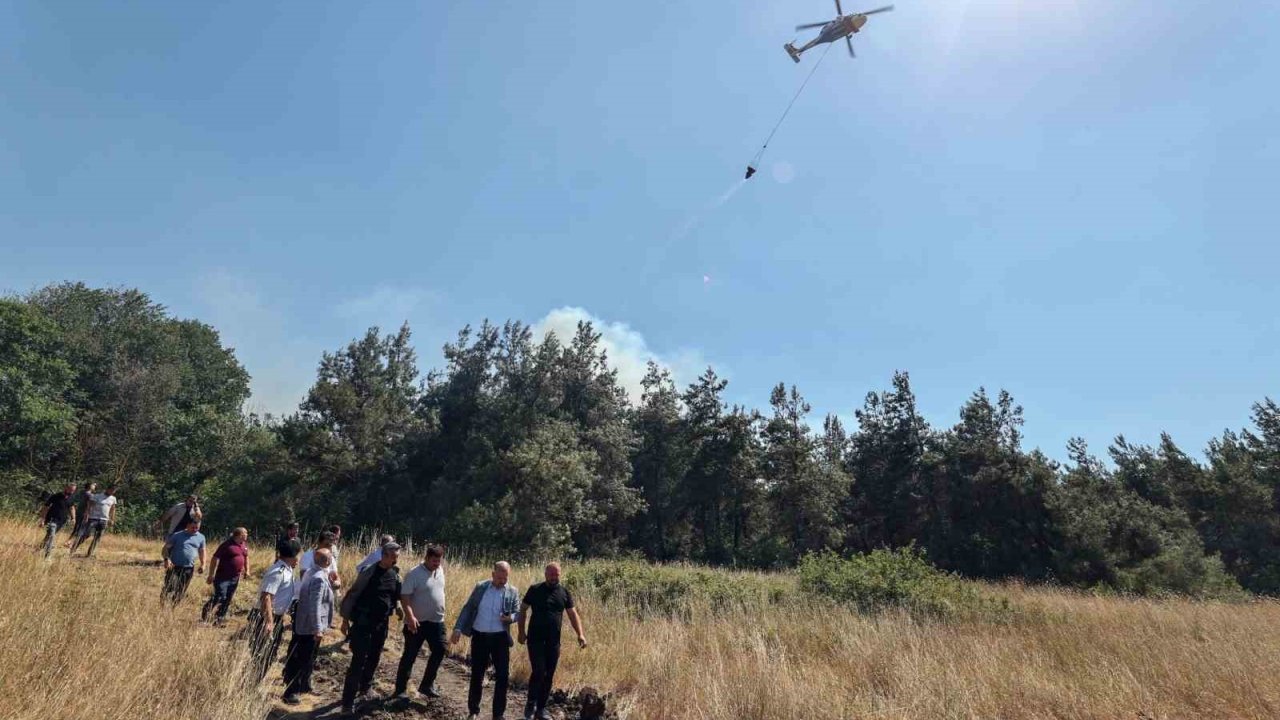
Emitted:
<point x="485" y="618"/>
<point x="181" y="552"/>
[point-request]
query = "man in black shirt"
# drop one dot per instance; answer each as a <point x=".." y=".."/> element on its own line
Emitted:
<point x="365" y="610"/>
<point x="549" y="601"/>
<point x="54" y="513"/>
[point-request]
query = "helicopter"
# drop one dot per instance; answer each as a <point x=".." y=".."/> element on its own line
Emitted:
<point x="842" y="27"/>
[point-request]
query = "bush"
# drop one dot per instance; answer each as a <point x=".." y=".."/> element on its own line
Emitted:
<point x="894" y="579"/>
<point x="675" y="590"/>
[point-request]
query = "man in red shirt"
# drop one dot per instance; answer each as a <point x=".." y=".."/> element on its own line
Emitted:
<point x="230" y="563"/>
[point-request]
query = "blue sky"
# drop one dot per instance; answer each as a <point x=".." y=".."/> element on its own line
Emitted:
<point x="1064" y="198"/>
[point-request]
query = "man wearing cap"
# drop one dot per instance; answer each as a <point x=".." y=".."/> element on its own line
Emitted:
<point x="365" y="612"/>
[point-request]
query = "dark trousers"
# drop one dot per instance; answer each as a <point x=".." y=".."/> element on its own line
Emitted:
<point x="367" y="638"/>
<point x="91" y="526"/>
<point x="176" y="580"/>
<point x="299" y="662"/>
<point x="263" y="645"/>
<point x="223" y="592"/>
<point x="544" y="655"/>
<point x="432" y="634"/>
<point x="486" y="649"/>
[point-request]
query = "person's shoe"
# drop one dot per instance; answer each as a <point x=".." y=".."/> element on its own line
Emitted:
<point x="219" y="622"/>
<point x="528" y="715"/>
<point x="292" y="699"/>
<point x="348" y="710"/>
<point x="431" y="692"/>
<point x="400" y="695"/>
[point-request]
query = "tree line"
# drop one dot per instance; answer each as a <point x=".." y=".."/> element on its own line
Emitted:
<point x="520" y="442"/>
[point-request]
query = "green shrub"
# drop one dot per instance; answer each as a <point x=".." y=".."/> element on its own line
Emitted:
<point x="676" y="589"/>
<point x="895" y="579"/>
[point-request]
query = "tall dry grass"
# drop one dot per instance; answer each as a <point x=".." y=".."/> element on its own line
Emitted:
<point x="89" y="640"/>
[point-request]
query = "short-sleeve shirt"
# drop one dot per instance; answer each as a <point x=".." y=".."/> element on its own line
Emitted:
<point x="426" y="593"/>
<point x="59" y="505"/>
<point x="100" y="506"/>
<point x="548" y="603"/>
<point x="278" y="581"/>
<point x="232" y="558"/>
<point x="379" y="596"/>
<point x="185" y="547"/>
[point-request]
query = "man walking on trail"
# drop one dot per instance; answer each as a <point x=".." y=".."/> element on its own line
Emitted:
<point x="176" y="517"/>
<point x="290" y="536"/>
<point x="372" y="558"/>
<point x="102" y="514"/>
<point x="312" y="619"/>
<point x="82" y="511"/>
<point x="422" y="597"/>
<point x="486" y="619"/>
<point x="230" y="564"/>
<point x="181" y="552"/>
<point x="55" y="512"/>
<point x="365" y="611"/>
<point x="275" y="598"/>
<point x="549" y="601"/>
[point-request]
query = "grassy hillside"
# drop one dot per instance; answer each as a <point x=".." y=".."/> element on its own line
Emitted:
<point x="88" y="639"/>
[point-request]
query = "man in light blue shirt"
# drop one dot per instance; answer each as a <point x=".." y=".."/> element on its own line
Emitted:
<point x="313" y="617"/>
<point x="181" y="552"/>
<point x="485" y="618"/>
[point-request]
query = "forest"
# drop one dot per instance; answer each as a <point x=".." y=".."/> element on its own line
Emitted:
<point x="531" y="446"/>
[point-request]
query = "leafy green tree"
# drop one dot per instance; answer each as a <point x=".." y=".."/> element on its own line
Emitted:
<point x="36" y="420"/>
<point x="989" y="513"/>
<point x="805" y="498"/>
<point x="658" y="464"/>
<point x="891" y="467"/>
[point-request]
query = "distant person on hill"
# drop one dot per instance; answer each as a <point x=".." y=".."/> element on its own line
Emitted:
<point x="102" y="514"/>
<point x="422" y="597"/>
<point x="548" y="601"/>
<point x="486" y="619"/>
<point x="365" y="612"/>
<point x="312" y="619"/>
<point x="290" y="535"/>
<point x="275" y="598"/>
<point x="372" y="558"/>
<point x="82" y="510"/>
<point x="229" y="565"/>
<point x="55" y="511"/>
<point x="176" y="517"/>
<point x="182" y="551"/>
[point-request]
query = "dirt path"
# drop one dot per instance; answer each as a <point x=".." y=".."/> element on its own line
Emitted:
<point x="331" y="668"/>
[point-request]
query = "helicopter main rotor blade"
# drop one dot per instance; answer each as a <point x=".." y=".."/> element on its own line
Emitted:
<point x="810" y="25"/>
<point x="886" y="8"/>
<point x="849" y="42"/>
<point x="839" y="11"/>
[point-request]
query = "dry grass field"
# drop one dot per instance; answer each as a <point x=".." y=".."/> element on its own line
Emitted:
<point x="89" y="639"/>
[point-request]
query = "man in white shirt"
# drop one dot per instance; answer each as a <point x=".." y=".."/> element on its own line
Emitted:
<point x="422" y="597"/>
<point x="488" y="613"/>
<point x="102" y="514"/>
<point x="372" y="558"/>
<point x="275" y="597"/>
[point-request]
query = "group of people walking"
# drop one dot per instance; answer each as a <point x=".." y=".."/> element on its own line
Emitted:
<point x="316" y="600"/>
<point x="89" y="513"/>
